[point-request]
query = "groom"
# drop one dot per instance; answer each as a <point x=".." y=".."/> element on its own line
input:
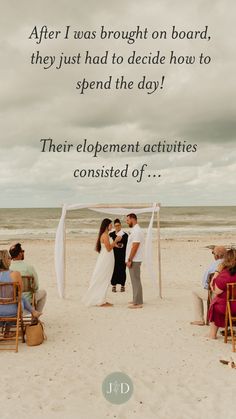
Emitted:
<point x="134" y="257"/>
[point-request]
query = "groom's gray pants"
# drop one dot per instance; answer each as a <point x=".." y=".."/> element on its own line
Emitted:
<point x="136" y="283"/>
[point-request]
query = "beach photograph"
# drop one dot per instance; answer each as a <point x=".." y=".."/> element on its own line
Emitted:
<point x="117" y="209"/>
<point x="174" y="366"/>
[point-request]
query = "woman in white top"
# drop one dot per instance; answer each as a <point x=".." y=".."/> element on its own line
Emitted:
<point x="101" y="277"/>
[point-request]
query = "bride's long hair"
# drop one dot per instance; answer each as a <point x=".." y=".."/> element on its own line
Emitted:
<point x="104" y="224"/>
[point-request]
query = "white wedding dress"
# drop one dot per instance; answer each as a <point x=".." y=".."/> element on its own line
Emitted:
<point x="101" y="278"/>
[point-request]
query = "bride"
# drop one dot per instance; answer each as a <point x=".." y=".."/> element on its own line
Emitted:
<point x="101" y="277"/>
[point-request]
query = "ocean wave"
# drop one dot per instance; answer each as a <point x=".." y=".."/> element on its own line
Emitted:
<point x="175" y="232"/>
<point x="32" y="223"/>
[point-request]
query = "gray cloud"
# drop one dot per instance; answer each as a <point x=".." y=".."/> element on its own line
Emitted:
<point x="197" y="104"/>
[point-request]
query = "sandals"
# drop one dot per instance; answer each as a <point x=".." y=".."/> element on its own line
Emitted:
<point x="198" y="323"/>
<point x="122" y="288"/>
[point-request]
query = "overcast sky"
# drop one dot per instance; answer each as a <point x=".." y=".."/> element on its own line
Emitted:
<point x="196" y="105"/>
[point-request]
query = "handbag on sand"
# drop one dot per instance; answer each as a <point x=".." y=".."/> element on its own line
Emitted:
<point x="35" y="333"/>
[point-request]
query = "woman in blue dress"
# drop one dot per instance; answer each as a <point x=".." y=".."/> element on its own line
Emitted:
<point x="6" y="275"/>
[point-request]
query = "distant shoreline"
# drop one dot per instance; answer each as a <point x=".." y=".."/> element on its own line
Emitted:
<point x="41" y="223"/>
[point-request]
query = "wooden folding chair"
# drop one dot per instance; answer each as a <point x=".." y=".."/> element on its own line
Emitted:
<point x="209" y="297"/>
<point x="229" y="318"/>
<point x="28" y="286"/>
<point x="10" y="293"/>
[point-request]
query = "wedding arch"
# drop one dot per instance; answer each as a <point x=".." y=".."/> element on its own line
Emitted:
<point x="60" y="241"/>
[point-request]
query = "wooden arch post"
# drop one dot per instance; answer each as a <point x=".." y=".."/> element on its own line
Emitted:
<point x="159" y="251"/>
<point x="64" y="248"/>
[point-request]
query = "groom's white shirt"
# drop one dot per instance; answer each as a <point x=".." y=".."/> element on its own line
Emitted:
<point x="136" y="236"/>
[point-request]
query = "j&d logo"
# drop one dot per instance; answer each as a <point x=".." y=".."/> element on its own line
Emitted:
<point x="117" y="388"/>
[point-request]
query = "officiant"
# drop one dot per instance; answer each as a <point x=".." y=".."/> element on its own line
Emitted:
<point x="119" y="273"/>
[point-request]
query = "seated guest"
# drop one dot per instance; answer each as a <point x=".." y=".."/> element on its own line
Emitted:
<point x="201" y="294"/>
<point x="7" y="275"/>
<point x="217" y="308"/>
<point x="19" y="264"/>
<point x="119" y="273"/>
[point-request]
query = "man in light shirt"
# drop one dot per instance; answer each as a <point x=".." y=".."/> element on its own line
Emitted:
<point x="134" y="258"/>
<point x="201" y="295"/>
<point x="18" y="264"/>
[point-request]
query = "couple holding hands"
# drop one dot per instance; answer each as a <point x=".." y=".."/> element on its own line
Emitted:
<point x="108" y="267"/>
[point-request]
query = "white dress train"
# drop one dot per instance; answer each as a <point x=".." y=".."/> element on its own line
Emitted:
<point x="101" y="278"/>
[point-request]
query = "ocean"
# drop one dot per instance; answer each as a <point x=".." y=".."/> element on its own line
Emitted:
<point x="41" y="223"/>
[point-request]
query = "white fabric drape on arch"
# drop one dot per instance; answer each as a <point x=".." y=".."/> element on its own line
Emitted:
<point x="61" y="236"/>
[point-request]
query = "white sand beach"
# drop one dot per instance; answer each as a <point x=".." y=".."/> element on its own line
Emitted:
<point x="175" y="370"/>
